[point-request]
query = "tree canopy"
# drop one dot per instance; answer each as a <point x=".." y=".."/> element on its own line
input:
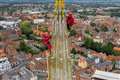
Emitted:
<point x="26" y="27"/>
<point x="99" y="47"/>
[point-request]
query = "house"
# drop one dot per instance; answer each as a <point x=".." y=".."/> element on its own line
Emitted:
<point x="118" y="41"/>
<point x="38" y="67"/>
<point x="98" y="39"/>
<point x="95" y="57"/>
<point x="92" y="59"/>
<point x="98" y="61"/>
<point x="117" y="65"/>
<point x="38" y="21"/>
<point x="104" y="66"/>
<point x="9" y="24"/>
<point x="20" y="74"/>
<point x="82" y="62"/>
<point x="102" y="75"/>
<point x="117" y="62"/>
<point x="116" y="49"/>
<point x="4" y="62"/>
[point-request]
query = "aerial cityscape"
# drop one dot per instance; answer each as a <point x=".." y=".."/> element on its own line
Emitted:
<point x="59" y="39"/>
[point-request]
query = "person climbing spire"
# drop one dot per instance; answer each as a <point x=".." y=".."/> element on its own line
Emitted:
<point x="46" y="40"/>
<point x="70" y="20"/>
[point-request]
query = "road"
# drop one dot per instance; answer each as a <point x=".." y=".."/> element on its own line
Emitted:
<point x="59" y="63"/>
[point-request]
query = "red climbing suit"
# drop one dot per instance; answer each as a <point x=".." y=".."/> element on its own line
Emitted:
<point x="46" y="40"/>
<point x="70" y="19"/>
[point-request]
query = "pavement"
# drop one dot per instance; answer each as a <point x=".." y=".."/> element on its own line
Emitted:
<point x="59" y="62"/>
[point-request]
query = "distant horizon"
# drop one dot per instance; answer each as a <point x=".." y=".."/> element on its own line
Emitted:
<point x="73" y="1"/>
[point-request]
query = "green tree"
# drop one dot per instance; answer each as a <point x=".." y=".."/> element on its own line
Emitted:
<point x="73" y="51"/>
<point x="24" y="47"/>
<point x="2" y="18"/>
<point x="32" y="51"/>
<point x="116" y="53"/>
<point x="113" y="63"/>
<point x="96" y="46"/>
<point x="92" y="24"/>
<point x="108" y="48"/>
<point x="88" y="42"/>
<point x="25" y="27"/>
<point x="88" y="32"/>
<point x="114" y="30"/>
<point x="23" y="36"/>
<point x="83" y="54"/>
<point x="72" y="33"/>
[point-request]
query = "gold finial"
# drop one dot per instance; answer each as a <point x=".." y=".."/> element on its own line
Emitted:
<point x="59" y="5"/>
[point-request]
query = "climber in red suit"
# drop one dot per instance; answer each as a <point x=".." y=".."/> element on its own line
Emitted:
<point x="46" y="40"/>
<point x="70" y="20"/>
